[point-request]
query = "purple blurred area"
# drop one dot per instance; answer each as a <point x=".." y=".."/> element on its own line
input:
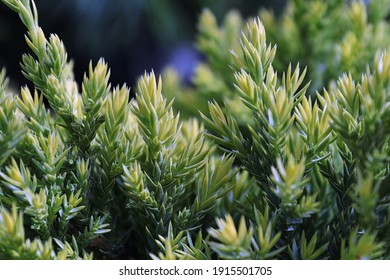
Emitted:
<point x="184" y="59"/>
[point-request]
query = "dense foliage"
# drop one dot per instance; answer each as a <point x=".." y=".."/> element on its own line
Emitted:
<point x="278" y="173"/>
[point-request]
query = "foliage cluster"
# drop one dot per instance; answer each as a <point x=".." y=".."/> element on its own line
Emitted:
<point x="278" y="173"/>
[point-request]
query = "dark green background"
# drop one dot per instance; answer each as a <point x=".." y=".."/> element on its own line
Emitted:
<point x="132" y="35"/>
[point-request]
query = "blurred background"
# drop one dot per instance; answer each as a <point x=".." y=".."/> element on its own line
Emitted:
<point x="132" y="35"/>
